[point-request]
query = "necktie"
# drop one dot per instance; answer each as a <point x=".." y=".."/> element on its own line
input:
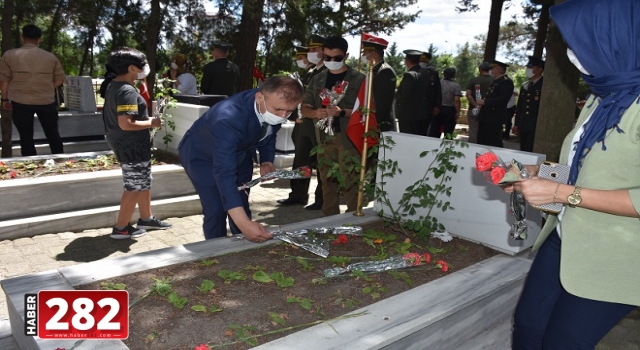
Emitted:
<point x="265" y="128"/>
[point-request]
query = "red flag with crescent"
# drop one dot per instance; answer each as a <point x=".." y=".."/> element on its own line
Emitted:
<point x="355" y="128"/>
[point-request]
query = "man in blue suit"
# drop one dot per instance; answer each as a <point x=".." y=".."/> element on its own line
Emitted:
<point x="218" y="151"/>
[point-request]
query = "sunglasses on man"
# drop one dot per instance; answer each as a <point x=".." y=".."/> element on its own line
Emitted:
<point x="332" y="58"/>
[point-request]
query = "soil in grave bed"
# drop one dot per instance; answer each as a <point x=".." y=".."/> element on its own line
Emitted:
<point x="241" y="308"/>
<point x="29" y="169"/>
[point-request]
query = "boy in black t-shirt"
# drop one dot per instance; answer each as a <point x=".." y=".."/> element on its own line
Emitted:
<point x="127" y="132"/>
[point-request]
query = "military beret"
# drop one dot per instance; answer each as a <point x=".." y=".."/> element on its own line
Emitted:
<point x="301" y="50"/>
<point x="316" y="40"/>
<point x="372" y="41"/>
<point x="484" y="66"/>
<point x="219" y="44"/>
<point x="415" y="53"/>
<point x="535" y="62"/>
<point x="498" y="63"/>
<point x="425" y="57"/>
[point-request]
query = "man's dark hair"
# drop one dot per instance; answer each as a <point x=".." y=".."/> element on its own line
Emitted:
<point x="449" y="73"/>
<point x="31" y="31"/>
<point x="123" y="57"/>
<point x="287" y="88"/>
<point x="336" y="42"/>
<point x="413" y="59"/>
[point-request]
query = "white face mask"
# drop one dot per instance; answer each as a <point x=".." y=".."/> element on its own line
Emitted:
<point x="301" y="63"/>
<point x="313" y="57"/>
<point x="364" y="59"/>
<point x="572" y="57"/>
<point x="145" y="71"/>
<point x="271" y="118"/>
<point x="529" y="73"/>
<point x="174" y="65"/>
<point x="333" y="65"/>
<point x="490" y="72"/>
<point x="423" y="65"/>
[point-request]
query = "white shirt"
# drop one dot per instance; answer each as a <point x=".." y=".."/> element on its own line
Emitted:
<point x="188" y="84"/>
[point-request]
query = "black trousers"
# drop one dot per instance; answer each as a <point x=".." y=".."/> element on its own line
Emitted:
<point x="23" y="120"/>
<point x="490" y="134"/>
<point x="302" y="157"/>
<point x="415" y="127"/>
<point x="445" y="121"/>
<point x="526" y="140"/>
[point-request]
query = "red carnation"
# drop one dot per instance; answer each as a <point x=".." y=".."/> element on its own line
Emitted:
<point x="342" y="239"/>
<point x="427" y="258"/>
<point x="326" y="101"/>
<point x="13" y="174"/>
<point x="497" y="174"/>
<point x="202" y="347"/>
<point x="305" y="171"/>
<point x="338" y="90"/>
<point x="485" y="162"/>
<point x="443" y="265"/>
<point x="413" y="258"/>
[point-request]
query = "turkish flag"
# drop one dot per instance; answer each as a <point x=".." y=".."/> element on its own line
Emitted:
<point x="144" y="92"/>
<point x="355" y="128"/>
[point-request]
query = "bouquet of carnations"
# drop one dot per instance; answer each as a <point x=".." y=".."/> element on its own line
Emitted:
<point x="311" y="241"/>
<point x="392" y="263"/>
<point x="499" y="173"/>
<point x="299" y="173"/>
<point x="331" y="98"/>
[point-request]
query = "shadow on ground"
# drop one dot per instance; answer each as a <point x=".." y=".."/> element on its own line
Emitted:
<point x="86" y="249"/>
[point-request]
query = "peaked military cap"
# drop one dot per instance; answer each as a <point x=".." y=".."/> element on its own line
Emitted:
<point x="219" y="44"/>
<point x="301" y="50"/>
<point x="372" y="41"/>
<point x="316" y="40"/>
<point x="425" y="57"/>
<point x="498" y="63"/>
<point x="415" y="53"/>
<point x="535" y="62"/>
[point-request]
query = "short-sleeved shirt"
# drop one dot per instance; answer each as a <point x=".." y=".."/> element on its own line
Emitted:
<point x="31" y="73"/>
<point x="128" y="146"/>
<point x="188" y="84"/>
<point x="484" y="81"/>
<point x="450" y="89"/>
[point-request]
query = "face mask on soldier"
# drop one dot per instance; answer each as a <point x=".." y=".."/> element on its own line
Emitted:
<point x="423" y="65"/>
<point x="301" y="63"/>
<point x="529" y="73"/>
<point x="313" y="57"/>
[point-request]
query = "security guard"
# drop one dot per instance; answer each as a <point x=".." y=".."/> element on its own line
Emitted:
<point x="304" y="134"/>
<point x="220" y="77"/>
<point x="494" y="106"/>
<point x="411" y="104"/>
<point x="528" y="104"/>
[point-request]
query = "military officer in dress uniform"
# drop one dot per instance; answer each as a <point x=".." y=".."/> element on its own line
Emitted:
<point x="411" y="104"/>
<point x="528" y="104"/>
<point x="494" y="106"/>
<point x="304" y="134"/>
<point x="434" y="89"/>
<point x="220" y="77"/>
<point x="384" y="80"/>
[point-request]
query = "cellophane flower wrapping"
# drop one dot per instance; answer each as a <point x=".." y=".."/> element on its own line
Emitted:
<point x="298" y="173"/>
<point x="312" y="240"/>
<point x="392" y="263"/>
<point x="499" y="173"/>
<point x="331" y="98"/>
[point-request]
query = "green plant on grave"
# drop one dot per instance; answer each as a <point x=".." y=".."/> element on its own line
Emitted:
<point x="374" y="289"/>
<point x="305" y="264"/>
<point x="209" y="262"/>
<point x="202" y="308"/>
<point x="397" y="275"/>
<point x="206" y="286"/>
<point x="341" y="261"/>
<point x="278" y="277"/>
<point x="277" y="318"/>
<point x="176" y="300"/>
<point x="243" y="333"/>
<point x="167" y="118"/>
<point x="161" y="286"/>
<point x="112" y="286"/>
<point x="304" y="303"/>
<point x="229" y="276"/>
<point x="343" y="301"/>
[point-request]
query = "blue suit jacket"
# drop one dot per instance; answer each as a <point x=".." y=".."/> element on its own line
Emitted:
<point x="223" y="140"/>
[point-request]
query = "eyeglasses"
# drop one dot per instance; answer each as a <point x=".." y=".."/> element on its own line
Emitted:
<point x="332" y="58"/>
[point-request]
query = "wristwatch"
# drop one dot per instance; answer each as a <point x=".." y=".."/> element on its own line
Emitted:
<point x="342" y="113"/>
<point x="574" y="199"/>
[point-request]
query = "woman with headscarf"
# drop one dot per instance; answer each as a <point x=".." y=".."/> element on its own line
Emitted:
<point x="180" y="71"/>
<point x="586" y="277"/>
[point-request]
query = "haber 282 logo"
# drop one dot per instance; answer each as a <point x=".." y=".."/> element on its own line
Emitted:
<point x="77" y="314"/>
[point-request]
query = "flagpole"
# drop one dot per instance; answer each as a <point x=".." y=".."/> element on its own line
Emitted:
<point x="363" y="160"/>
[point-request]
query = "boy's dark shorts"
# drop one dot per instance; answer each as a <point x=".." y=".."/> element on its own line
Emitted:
<point x="136" y="176"/>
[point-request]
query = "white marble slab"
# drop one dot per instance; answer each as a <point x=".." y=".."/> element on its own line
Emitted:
<point x="481" y="209"/>
<point x="184" y="114"/>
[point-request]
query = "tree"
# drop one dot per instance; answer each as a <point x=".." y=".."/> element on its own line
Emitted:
<point x="465" y="64"/>
<point x="395" y="59"/>
<point x="7" y="22"/>
<point x="557" y="103"/>
<point x="247" y="40"/>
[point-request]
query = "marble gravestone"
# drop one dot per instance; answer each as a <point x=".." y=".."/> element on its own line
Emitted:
<point x="80" y="95"/>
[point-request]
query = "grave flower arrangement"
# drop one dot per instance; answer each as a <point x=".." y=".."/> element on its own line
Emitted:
<point x="299" y="173"/>
<point x="499" y="173"/>
<point x="331" y="98"/>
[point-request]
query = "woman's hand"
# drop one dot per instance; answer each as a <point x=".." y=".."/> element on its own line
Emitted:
<point x="536" y="191"/>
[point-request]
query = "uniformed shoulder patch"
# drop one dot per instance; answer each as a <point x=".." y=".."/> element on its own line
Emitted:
<point x="127" y="108"/>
